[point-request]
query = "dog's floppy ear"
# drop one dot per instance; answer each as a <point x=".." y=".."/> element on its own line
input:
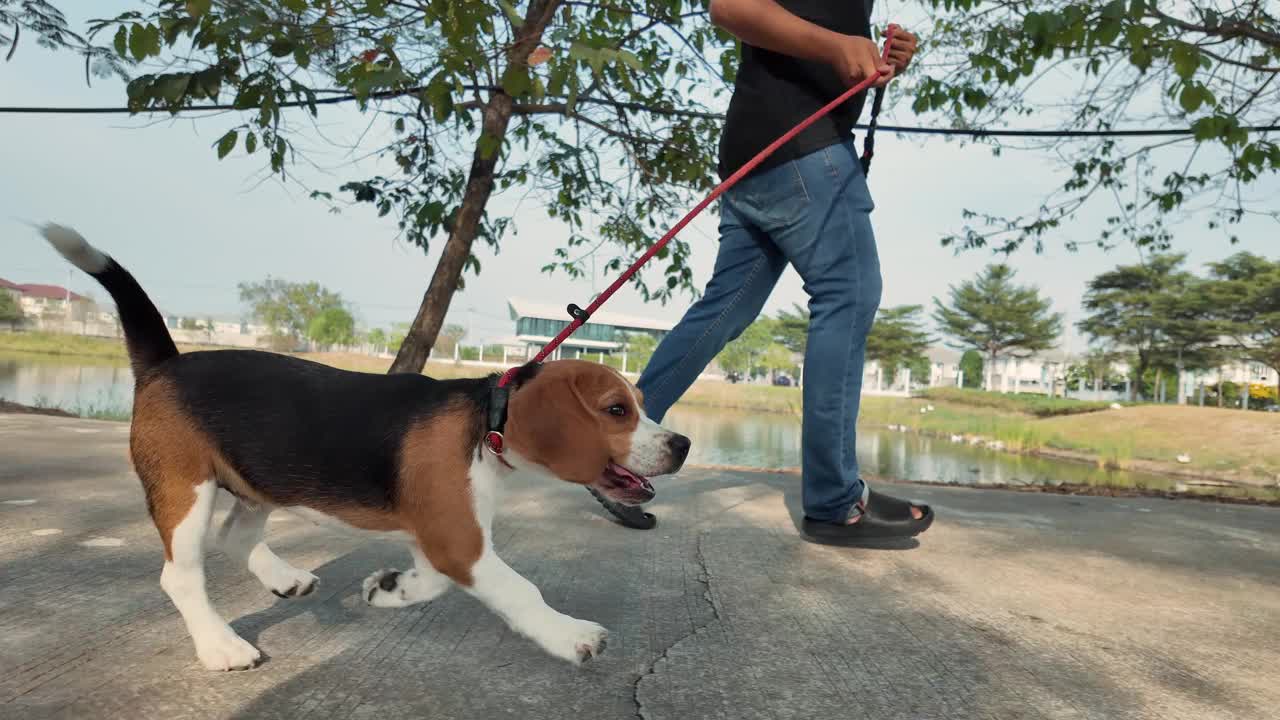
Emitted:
<point x="525" y="373"/>
<point x="549" y="423"/>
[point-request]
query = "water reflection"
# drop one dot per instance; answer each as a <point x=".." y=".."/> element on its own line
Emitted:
<point x="65" y="383"/>
<point x="773" y="441"/>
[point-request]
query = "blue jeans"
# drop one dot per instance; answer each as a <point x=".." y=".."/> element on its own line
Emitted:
<point x="815" y="213"/>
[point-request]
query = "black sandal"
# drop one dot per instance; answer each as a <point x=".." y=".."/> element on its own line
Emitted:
<point x="633" y="516"/>
<point x="883" y="518"/>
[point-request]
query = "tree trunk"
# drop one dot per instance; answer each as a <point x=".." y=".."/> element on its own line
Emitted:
<point x="1182" y="396"/>
<point x="1158" y="390"/>
<point x="1276" y="367"/>
<point x="496" y="116"/>
<point x="1136" y="393"/>
<point x="426" y="325"/>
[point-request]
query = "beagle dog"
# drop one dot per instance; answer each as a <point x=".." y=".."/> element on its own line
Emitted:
<point x="402" y="456"/>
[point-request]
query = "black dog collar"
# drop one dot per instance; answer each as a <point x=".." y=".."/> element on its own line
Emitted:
<point x="497" y="422"/>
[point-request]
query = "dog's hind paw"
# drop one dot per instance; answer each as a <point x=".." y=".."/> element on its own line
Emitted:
<point x="393" y="588"/>
<point x="382" y="588"/>
<point x="301" y="583"/>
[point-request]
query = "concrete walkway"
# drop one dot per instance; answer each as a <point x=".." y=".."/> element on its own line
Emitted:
<point x="1013" y="606"/>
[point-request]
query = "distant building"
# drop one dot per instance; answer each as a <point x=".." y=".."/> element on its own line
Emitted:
<point x="39" y="301"/>
<point x="944" y="366"/>
<point x="215" y="325"/>
<point x="536" y="324"/>
<point x="12" y="289"/>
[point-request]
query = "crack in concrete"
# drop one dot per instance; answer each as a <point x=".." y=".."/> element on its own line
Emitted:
<point x="705" y="578"/>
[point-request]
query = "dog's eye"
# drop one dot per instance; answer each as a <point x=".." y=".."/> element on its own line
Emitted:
<point x="616" y="410"/>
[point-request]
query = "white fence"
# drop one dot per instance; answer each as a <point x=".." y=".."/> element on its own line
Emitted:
<point x="112" y="330"/>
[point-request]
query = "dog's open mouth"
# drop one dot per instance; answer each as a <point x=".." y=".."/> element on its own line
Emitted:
<point x="621" y="485"/>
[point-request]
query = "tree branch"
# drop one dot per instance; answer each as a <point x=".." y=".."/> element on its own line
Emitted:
<point x="1238" y="63"/>
<point x="1230" y="30"/>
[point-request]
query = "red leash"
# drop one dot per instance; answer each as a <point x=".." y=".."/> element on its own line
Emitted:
<point x="581" y="316"/>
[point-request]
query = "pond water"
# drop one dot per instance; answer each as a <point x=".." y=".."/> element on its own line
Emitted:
<point x="721" y="437"/>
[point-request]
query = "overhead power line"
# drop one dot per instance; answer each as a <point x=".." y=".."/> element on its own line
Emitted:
<point x="907" y="129"/>
<point x="980" y="133"/>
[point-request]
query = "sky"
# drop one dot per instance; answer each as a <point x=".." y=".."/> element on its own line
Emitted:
<point x="151" y="192"/>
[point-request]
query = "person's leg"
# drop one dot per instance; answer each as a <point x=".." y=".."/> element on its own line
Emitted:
<point x="827" y="237"/>
<point x="841" y="273"/>
<point x="747" y="268"/>
<point x="829" y="240"/>
<point x="831" y="245"/>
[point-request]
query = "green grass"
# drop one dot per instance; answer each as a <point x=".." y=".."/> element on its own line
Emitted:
<point x="1030" y="404"/>
<point x="753" y="398"/>
<point x="1228" y="444"/>
<point x="58" y="344"/>
<point x="101" y="410"/>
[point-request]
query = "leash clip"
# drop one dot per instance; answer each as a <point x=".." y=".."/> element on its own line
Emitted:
<point x="494" y="442"/>
<point x="578" y="313"/>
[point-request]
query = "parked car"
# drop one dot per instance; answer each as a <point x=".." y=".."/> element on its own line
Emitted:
<point x="734" y="377"/>
<point x="782" y="381"/>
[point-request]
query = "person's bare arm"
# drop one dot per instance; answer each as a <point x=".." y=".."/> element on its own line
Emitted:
<point x="766" y="24"/>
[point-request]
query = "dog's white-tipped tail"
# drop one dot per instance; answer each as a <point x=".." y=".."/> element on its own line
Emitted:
<point x="145" y="332"/>
<point x="75" y="248"/>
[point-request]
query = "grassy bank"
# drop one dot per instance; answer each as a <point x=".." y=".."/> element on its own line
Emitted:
<point x="57" y="344"/>
<point x="1215" y="443"/>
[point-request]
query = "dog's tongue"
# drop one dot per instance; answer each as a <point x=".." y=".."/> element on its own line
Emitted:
<point x="629" y="476"/>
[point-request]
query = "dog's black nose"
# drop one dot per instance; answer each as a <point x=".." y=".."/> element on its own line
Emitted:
<point x="679" y="445"/>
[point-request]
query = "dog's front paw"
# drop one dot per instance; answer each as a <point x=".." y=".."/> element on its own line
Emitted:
<point x="577" y="641"/>
<point x="227" y="651"/>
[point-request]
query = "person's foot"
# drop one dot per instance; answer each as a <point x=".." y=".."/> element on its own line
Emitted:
<point x="916" y="514"/>
<point x="877" y="517"/>
<point x="633" y="516"/>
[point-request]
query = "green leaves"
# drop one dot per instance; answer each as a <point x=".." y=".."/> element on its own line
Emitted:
<point x="1186" y="59"/>
<point x="650" y="58"/>
<point x="516" y="81"/>
<point x="629" y="60"/>
<point x="1116" y="56"/>
<point x="993" y="314"/>
<point x="280" y="47"/>
<point x="487" y="145"/>
<point x="1194" y="95"/>
<point x="144" y="41"/>
<point x="172" y="88"/>
<point x="898" y="337"/>
<point x="291" y="308"/>
<point x="598" y="57"/>
<point x="227" y="143"/>
<point x="438" y="98"/>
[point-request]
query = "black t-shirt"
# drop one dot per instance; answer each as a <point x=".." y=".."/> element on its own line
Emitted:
<point x="774" y="92"/>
